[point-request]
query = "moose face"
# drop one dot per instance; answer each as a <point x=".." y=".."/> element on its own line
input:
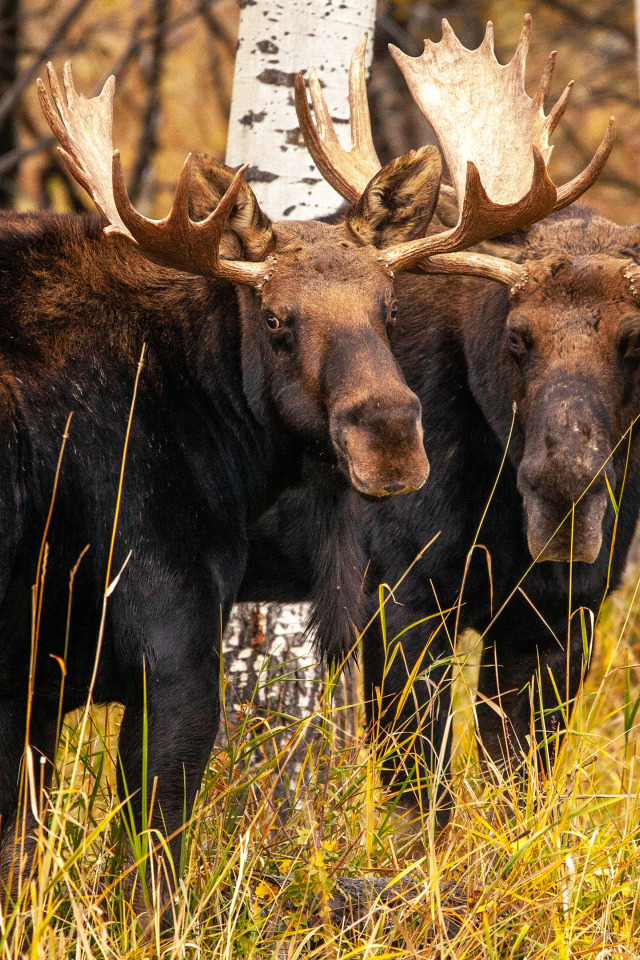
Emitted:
<point x="318" y="334"/>
<point x="314" y="331"/>
<point x="572" y="343"/>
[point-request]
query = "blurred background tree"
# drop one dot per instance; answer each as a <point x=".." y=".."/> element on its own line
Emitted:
<point x="174" y="63"/>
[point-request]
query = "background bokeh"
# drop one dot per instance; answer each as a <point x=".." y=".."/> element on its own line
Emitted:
<point x="174" y="59"/>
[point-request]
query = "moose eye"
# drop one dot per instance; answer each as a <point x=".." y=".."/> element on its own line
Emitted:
<point x="629" y="346"/>
<point x="393" y="312"/>
<point x="519" y="342"/>
<point x="272" y="323"/>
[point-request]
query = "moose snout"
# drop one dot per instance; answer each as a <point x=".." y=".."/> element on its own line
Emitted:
<point x="382" y="445"/>
<point x="562" y="482"/>
<point x="566" y="531"/>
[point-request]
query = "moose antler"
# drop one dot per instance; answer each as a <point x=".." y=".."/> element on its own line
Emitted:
<point x="348" y="171"/>
<point x="85" y="131"/>
<point x="495" y="139"/>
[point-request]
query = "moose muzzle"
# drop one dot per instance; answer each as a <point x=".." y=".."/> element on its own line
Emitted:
<point x="382" y="447"/>
<point x="375" y="420"/>
<point x="562" y="475"/>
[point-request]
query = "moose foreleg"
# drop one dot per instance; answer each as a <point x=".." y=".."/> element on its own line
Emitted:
<point x="179" y="717"/>
<point x="532" y="673"/>
<point x="408" y="699"/>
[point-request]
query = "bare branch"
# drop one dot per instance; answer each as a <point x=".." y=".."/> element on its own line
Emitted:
<point x="14" y="158"/>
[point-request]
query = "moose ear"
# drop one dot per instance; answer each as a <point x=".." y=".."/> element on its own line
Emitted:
<point x="248" y="233"/>
<point x="399" y="202"/>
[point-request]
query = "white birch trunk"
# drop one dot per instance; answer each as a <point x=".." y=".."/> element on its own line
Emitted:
<point x="278" y="38"/>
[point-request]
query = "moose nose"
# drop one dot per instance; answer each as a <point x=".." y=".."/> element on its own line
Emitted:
<point x="395" y="488"/>
<point x="382" y="446"/>
<point x="561" y="477"/>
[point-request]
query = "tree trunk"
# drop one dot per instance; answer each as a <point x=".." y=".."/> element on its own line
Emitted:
<point x="278" y="38"/>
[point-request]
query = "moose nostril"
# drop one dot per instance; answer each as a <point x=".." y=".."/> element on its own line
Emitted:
<point x="394" y="487"/>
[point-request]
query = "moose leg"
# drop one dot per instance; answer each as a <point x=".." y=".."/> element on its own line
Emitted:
<point x="180" y="714"/>
<point x="408" y="701"/>
<point x="532" y="672"/>
<point x="18" y="824"/>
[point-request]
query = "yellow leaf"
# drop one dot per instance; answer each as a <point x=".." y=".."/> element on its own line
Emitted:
<point x="266" y="891"/>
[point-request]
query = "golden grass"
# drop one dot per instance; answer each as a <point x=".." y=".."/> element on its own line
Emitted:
<point x="552" y="876"/>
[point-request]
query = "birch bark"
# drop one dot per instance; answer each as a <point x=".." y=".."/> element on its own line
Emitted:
<point x="271" y="667"/>
<point x="278" y="38"/>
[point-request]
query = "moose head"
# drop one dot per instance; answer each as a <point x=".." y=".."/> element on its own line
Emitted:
<point x="571" y="357"/>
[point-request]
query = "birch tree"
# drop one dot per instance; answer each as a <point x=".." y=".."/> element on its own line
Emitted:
<point x="278" y="38"/>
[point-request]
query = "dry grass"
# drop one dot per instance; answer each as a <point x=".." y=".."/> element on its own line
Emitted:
<point x="552" y="876"/>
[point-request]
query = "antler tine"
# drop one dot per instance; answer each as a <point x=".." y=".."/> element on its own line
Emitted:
<point x="558" y="110"/>
<point x="519" y="59"/>
<point x="84" y="129"/>
<point x="487" y="42"/>
<point x="348" y="171"/>
<point x="545" y="80"/>
<point x="501" y="181"/>
<point x="359" y="110"/>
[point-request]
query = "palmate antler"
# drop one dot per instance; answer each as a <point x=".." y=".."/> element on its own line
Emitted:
<point x="84" y="130"/>
<point x="495" y="139"/>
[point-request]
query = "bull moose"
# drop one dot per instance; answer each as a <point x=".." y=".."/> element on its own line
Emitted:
<point x="528" y="374"/>
<point x="163" y="382"/>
